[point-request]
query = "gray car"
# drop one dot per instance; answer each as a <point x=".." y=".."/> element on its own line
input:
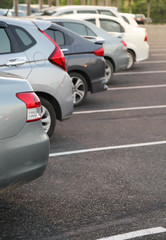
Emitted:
<point x="25" y="50"/>
<point x="24" y="145"/>
<point x="115" y="49"/>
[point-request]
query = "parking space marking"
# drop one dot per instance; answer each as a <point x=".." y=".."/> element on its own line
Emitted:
<point x="137" y="87"/>
<point x="144" y="62"/>
<point x="107" y="148"/>
<point x="139" y="233"/>
<point x="139" y="73"/>
<point x="119" y="109"/>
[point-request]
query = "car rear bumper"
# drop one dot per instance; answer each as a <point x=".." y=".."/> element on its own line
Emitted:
<point x="99" y="85"/>
<point x="23" y="157"/>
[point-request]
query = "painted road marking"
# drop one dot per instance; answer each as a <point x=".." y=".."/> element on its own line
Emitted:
<point x="140" y="233"/>
<point x="143" y="62"/>
<point x="137" y="87"/>
<point x="139" y="73"/>
<point x="107" y="148"/>
<point x="119" y="109"/>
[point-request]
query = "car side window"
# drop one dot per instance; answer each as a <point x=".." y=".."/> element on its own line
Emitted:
<point x="106" y="12"/>
<point x="87" y="11"/>
<point x="90" y="32"/>
<point x="57" y="36"/>
<point x="91" y="20"/>
<point x="5" y="46"/>
<point x="24" y="37"/>
<point x="76" y="27"/>
<point x="110" y="26"/>
<point x="125" y="19"/>
<point x="65" y="13"/>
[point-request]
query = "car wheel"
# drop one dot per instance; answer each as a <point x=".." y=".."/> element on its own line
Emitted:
<point x="109" y="70"/>
<point x="80" y="88"/>
<point x="48" y="116"/>
<point x="131" y="59"/>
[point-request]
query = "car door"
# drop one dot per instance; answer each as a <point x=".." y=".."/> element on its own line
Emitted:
<point x="14" y="42"/>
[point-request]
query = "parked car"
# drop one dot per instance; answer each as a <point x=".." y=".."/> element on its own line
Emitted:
<point x="26" y="51"/>
<point x="84" y="61"/>
<point x="79" y="9"/>
<point x="140" y="18"/>
<point x="136" y="38"/>
<point x="115" y="49"/>
<point x="24" y="145"/>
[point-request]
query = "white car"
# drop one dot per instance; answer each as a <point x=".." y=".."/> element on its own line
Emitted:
<point x="79" y="9"/>
<point x="136" y="38"/>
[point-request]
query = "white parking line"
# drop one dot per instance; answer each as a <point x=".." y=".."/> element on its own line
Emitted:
<point x="144" y="62"/>
<point x="139" y="73"/>
<point x="140" y="233"/>
<point x="107" y="148"/>
<point x="137" y="87"/>
<point x="120" y="109"/>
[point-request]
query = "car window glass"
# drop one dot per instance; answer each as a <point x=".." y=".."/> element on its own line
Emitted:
<point x="110" y="26"/>
<point x="106" y="12"/>
<point x="92" y="20"/>
<point x="90" y="32"/>
<point x="76" y="27"/>
<point x="87" y="11"/>
<point x="24" y="37"/>
<point x="57" y="36"/>
<point x="65" y="13"/>
<point x="126" y="20"/>
<point x="5" y="46"/>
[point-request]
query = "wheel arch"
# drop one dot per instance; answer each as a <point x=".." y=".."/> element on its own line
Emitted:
<point x="111" y="60"/>
<point x="85" y="76"/>
<point x="131" y="50"/>
<point x="53" y="102"/>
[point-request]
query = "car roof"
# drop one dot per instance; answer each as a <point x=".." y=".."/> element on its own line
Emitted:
<point x="26" y="21"/>
<point x="91" y="15"/>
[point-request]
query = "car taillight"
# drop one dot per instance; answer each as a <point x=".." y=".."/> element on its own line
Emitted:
<point x="146" y="37"/>
<point x="124" y="45"/>
<point x="33" y="105"/>
<point x="99" y="52"/>
<point x="57" y="56"/>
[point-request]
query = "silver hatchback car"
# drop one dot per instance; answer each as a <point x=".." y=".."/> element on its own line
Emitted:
<point x="27" y="51"/>
<point x="24" y="145"/>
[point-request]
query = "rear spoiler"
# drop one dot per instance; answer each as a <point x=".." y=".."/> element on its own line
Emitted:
<point x="96" y="40"/>
<point x="42" y="25"/>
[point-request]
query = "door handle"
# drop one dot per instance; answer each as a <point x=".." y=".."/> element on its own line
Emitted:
<point x="16" y="61"/>
<point x="64" y="49"/>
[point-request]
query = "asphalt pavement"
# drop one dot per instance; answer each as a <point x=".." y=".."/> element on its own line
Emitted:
<point x="105" y="177"/>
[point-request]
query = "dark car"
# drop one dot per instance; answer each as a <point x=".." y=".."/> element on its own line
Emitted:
<point x="140" y="18"/>
<point x="84" y="60"/>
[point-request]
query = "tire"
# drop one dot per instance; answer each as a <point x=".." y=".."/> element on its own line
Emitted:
<point x="109" y="70"/>
<point x="131" y="59"/>
<point x="80" y="88"/>
<point x="48" y="116"/>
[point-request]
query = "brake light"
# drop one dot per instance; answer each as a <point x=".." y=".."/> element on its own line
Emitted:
<point x="33" y="105"/>
<point x="99" y="52"/>
<point x="124" y="45"/>
<point x="146" y="37"/>
<point x="57" y="56"/>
